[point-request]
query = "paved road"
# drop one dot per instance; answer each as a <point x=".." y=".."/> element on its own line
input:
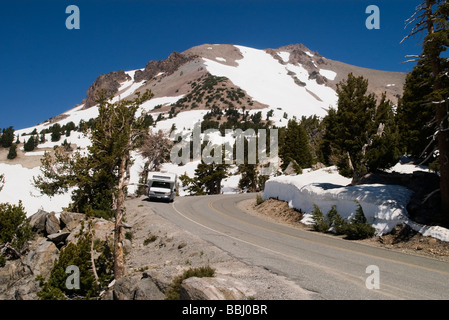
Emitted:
<point x="331" y="267"/>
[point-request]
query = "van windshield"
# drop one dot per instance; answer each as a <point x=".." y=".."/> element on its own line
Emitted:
<point x="160" y="184"/>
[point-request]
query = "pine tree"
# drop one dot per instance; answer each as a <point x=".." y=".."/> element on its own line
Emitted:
<point x="361" y="134"/>
<point x="382" y="151"/>
<point x="79" y="254"/>
<point x="415" y="114"/>
<point x="7" y="137"/>
<point x="294" y="146"/>
<point x="210" y="176"/>
<point x="12" y="154"/>
<point x="100" y="176"/>
<point x="250" y="177"/>
<point x="30" y="144"/>
<point x="55" y="132"/>
<point x="207" y="179"/>
<point x="432" y="18"/>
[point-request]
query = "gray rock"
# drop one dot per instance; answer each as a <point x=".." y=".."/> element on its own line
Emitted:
<point x="44" y="222"/>
<point x="51" y="224"/>
<point x="146" y="289"/>
<point x="124" y="288"/>
<point x="38" y="220"/>
<point x="58" y="237"/>
<point x="12" y="271"/>
<point x="217" y="288"/>
<point x="70" y="220"/>
<point x="134" y="287"/>
<point x="17" y="282"/>
<point x="40" y="259"/>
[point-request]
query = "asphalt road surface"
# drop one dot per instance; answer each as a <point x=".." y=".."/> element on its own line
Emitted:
<point x="330" y="267"/>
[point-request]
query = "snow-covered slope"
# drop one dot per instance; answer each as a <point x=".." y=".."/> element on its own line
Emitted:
<point x="268" y="81"/>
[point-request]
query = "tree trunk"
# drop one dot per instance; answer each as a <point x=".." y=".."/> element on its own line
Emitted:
<point x="440" y="112"/>
<point x="119" y="255"/>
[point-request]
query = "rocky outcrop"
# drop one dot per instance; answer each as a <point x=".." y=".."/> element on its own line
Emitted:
<point x="18" y="276"/>
<point x="70" y="220"/>
<point x="168" y="66"/>
<point x="110" y="82"/>
<point x="44" y="223"/>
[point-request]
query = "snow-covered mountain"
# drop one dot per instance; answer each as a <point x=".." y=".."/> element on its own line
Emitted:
<point x="291" y="81"/>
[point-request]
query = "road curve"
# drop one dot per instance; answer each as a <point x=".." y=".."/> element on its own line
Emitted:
<point x="331" y="267"/>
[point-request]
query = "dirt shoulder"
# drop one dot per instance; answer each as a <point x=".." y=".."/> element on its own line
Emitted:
<point x="402" y="238"/>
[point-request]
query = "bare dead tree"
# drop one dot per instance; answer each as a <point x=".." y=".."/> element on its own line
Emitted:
<point x="156" y="148"/>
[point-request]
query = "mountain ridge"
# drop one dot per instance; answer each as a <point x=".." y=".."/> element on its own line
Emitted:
<point x="191" y="65"/>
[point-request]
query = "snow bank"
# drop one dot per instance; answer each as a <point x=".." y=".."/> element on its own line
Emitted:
<point x="19" y="187"/>
<point x="384" y="205"/>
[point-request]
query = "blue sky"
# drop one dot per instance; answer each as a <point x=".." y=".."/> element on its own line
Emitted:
<point x="46" y="69"/>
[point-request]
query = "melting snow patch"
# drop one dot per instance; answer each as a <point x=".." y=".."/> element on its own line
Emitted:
<point x="308" y="53"/>
<point x="328" y="74"/>
<point x="384" y="205"/>
<point x="285" y="56"/>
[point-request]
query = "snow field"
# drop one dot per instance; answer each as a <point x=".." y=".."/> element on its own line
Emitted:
<point x="267" y="81"/>
<point x="19" y="187"/>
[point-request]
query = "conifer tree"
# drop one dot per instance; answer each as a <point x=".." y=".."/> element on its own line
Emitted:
<point x="55" y="132"/>
<point x="362" y="134"/>
<point x="432" y="18"/>
<point x="295" y="146"/>
<point x="415" y="114"/>
<point x="7" y="137"/>
<point x="207" y="179"/>
<point x="250" y="177"/>
<point x="12" y="153"/>
<point x="100" y="176"/>
<point x="30" y="144"/>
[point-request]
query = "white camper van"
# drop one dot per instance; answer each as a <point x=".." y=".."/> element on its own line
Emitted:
<point x="162" y="185"/>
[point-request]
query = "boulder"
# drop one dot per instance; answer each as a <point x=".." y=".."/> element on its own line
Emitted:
<point x="44" y="222"/>
<point x="216" y="288"/>
<point x="124" y="287"/>
<point x="134" y="287"/>
<point x="41" y="257"/>
<point x="58" y="237"/>
<point x="51" y="224"/>
<point x="38" y="220"/>
<point x="17" y="282"/>
<point x="146" y="289"/>
<point x="103" y="229"/>
<point x="69" y="220"/>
